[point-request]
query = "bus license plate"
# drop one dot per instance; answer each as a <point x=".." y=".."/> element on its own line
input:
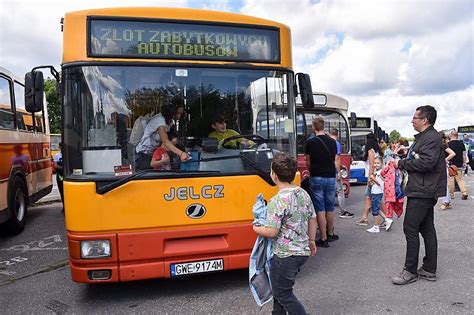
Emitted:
<point x="197" y="267"/>
<point x="353" y="180"/>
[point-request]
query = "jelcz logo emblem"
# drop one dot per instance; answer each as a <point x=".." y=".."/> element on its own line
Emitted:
<point x="195" y="211"/>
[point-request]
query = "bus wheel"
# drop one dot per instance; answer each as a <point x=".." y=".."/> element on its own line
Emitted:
<point x="17" y="206"/>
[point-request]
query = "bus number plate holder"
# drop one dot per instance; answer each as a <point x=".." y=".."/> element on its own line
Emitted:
<point x="196" y="267"/>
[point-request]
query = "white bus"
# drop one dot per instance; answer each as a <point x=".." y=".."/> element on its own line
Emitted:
<point x="333" y="109"/>
<point x="359" y="131"/>
<point x="363" y="126"/>
<point x="25" y="154"/>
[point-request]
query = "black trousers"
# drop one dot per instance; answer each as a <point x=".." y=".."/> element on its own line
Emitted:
<point x="419" y="218"/>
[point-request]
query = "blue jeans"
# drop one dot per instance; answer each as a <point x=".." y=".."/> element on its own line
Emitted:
<point x="376" y="201"/>
<point x="323" y="191"/>
<point x="283" y="273"/>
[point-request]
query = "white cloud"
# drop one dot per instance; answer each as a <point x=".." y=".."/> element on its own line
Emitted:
<point x="359" y="67"/>
<point x="394" y="111"/>
<point x="217" y="5"/>
<point x="30" y="30"/>
<point x="373" y="67"/>
<point x="441" y="62"/>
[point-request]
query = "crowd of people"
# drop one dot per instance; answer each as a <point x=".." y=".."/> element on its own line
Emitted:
<point x="397" y="173"/>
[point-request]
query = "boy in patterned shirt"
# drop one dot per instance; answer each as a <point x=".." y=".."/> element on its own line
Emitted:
<point x="291" y="222"/>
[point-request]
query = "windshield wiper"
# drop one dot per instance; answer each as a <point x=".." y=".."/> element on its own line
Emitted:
<point x="106" y="188"/>
<point x="261" y="172"/>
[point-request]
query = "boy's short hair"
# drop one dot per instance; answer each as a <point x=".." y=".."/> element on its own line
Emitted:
<point x="334" y="132"/>
<point x="219" y="118"/>
<point x="318" y="123"/>
<point x="378" y="157"/>
<point x="284" y="166"/>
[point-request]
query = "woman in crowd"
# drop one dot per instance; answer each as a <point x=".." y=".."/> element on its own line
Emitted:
<point x="372" y="150"/>
<point x="449" y="154"/>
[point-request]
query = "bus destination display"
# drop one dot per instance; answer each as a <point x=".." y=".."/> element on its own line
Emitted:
<point x="465" y="129"/>
<point x="169" y="40"/>
<point x="362" y="122"/>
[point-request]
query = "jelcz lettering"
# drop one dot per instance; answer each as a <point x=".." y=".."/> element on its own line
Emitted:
<point x="185" y="193"/>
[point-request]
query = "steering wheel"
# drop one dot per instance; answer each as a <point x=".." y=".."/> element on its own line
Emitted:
<point x="254" y="137"/>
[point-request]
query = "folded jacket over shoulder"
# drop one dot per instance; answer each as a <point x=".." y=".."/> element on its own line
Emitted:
<point x="259" y="265"/>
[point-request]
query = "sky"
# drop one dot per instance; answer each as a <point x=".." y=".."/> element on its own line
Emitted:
<point x="386" y="57"/>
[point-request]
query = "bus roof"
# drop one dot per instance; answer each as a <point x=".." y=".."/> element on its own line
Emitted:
<point x="75" y="29"/>
<point x="11" y="75"/>
<point x="323" y="99"/>
<point x="178" y="14"/>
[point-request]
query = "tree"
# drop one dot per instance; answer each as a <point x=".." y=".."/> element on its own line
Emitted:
<point x="54" y="106"/>
<point x="394" y="136"/>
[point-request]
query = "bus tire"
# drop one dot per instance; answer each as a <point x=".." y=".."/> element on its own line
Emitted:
<point x="17" y="207"/>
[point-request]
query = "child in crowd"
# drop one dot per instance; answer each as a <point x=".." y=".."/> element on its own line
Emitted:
<point x="376" y="180"/>
<point x="161" y="156"/>
<point x="291" y="222"/>
<point x="392" y="192"/>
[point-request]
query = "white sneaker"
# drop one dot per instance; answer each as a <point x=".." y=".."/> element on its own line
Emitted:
<point x="374" y="229"/>
<point x="388" y="223"/>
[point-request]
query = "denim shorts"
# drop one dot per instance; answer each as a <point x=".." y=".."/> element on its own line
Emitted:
<point x="323" y="192"/>
<point x="376" y="200"/>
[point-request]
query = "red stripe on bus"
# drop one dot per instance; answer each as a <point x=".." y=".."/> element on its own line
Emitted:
<point x="32" y="157"/>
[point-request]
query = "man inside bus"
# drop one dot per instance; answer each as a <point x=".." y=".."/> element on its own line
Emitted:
<point x="220" y="132"/>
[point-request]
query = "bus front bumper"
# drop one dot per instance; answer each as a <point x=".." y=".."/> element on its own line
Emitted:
<point x="158" y="254"/>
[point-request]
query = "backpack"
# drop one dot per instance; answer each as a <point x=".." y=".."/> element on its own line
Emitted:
<point x="139" y="129"/>
<point x="467" y="146"/>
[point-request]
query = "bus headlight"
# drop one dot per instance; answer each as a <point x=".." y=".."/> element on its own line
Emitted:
<point x="344" y="173"/>
<point x="95" y="249"/>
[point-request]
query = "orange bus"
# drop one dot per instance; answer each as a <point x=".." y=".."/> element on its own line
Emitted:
<point x="119" y="66"/>
<point x="25" y="159"/>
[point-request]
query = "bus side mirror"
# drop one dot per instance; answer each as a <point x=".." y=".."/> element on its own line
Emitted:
<point x="34" y="91"/>
<point x="58" y="88"/>
<point x="353" y="120"/>
<point x="379" y="133"/>
<point x="306" y="91"/>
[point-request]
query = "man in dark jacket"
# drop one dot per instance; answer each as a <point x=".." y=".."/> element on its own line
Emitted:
<point x="426" y="169"/>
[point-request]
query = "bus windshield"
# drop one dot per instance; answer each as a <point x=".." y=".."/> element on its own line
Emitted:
<point x="358" y="147"/>
<point x="101" y="104"/>
<point x="331" y="120"/>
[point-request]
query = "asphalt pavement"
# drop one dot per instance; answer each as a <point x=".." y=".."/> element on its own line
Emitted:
<point x="352" y="276"/>
<point x="53" y="196"/>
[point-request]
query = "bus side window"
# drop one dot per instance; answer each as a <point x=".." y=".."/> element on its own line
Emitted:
<point x="7" y="119"/>
<point x="20" y="122"/>
<point x="20" y="105"/>
<point x="39" y="123"/>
